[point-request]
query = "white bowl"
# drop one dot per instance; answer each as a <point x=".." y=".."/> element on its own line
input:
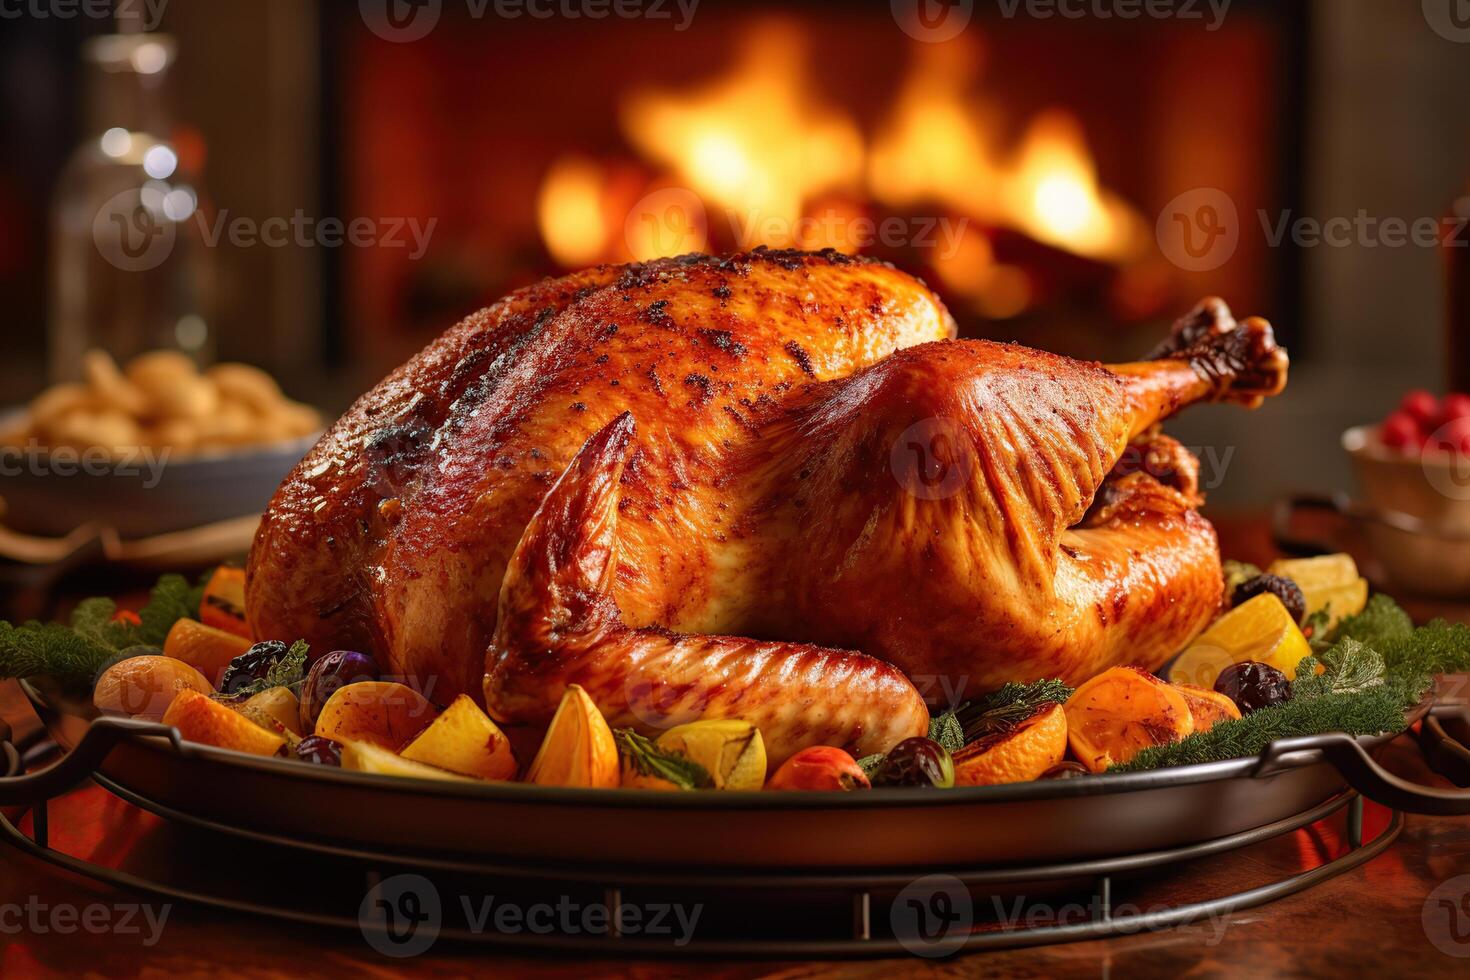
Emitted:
<point x="53" y="494"/>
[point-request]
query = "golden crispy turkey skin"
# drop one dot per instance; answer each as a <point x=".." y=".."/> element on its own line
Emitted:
<point x="700" y="486"/>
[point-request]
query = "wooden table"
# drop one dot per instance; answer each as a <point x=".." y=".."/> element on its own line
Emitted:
<point x="1369" y="921"/>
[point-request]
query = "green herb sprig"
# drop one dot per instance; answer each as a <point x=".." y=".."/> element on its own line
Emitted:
<point x="650" y="760"/>
<point x="289" y="671"/>
<point x="1009" y="706"/>
<point x="92" y="640"/>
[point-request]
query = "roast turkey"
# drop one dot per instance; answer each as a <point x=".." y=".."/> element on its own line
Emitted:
<point x="769" y="485"/>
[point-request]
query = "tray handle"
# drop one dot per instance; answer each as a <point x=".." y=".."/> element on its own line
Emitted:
<point x="1370" y="779"/>
<point x="77" y="765"/>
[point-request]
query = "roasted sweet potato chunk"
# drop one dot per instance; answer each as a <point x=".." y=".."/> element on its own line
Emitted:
<point x="1016" y="755"/>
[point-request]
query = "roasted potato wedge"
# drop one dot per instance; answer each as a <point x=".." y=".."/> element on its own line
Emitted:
<point x="367" y="757"/>
<point x="276" y="705"/>
<point x="464" y="740"/>
<point x="579" y="748"/>
<point x="385" y="713"/>
<point x="200" y="718"/>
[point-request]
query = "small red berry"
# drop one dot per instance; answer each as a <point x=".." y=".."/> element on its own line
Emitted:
<point x="1401" y="432"/>
<point x="127" y="616"/>
<point x="1422" y="407"/>
<point x="1455" y="405"/>
<point x="1455" y="436"/>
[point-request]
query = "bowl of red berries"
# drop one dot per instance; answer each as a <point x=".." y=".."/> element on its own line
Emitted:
<point x="1414" y="472"/>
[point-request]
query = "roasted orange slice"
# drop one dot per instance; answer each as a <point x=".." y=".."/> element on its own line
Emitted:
<point x="1207" y="707"/>
<point x="1121" y="712"/>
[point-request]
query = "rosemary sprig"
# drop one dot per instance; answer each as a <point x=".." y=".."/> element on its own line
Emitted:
<point x="649" y="760"/>
<point x="1009" y="706"/>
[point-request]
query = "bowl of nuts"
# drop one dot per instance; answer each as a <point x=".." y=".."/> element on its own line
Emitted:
<point x="149" y="448"/>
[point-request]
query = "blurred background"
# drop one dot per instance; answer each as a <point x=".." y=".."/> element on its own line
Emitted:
<point x="339" y="182"/>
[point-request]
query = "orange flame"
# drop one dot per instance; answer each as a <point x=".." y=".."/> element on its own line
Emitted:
<point x="937" y="146"/>
<point x="755" y="142"/>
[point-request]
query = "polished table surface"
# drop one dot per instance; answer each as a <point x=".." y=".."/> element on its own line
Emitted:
<point x="1378" y="919"/>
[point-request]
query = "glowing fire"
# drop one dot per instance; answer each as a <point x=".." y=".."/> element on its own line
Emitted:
<point x="937" y="146"/>
<point x="758" y="148"/>
<point x="569" y="210"/>
<point x="1052" y="194"/>
<point x="755" y="142"/>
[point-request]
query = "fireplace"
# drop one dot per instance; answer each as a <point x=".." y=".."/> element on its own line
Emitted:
<point x="1022" y="166"/>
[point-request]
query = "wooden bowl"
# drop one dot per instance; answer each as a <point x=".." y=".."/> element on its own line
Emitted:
<point x="1423" y="540"/>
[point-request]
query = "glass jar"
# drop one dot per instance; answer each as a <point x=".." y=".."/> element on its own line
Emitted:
<point x="129" y="270"/>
